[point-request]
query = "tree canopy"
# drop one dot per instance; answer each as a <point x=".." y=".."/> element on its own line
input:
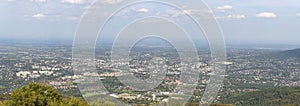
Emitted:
<point x="36" y="94"/>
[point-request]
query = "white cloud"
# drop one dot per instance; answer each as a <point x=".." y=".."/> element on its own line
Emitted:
<point x="72" y="18"/>
<point x="233" y="17"/>
<point x="39" y="15"/>
<point x="193" y="11"/>
<point x="236" y="16"/>
<point x="111" y="1"/>
<point x="141" y="10"/>
<point x="39" y="0"/>
<point x="89" y="1"/>
<point x="176" y="13"/>
<point x="144" y="10"/>
<point x="74" y="1"/>
<point x="298" y="14"/>
<point x="266" y="15"/>
<point x="223" y="8"/>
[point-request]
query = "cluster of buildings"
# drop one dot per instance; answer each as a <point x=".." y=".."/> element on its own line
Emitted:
<point x="255" y="69"/>
<point x="247" y="70"/>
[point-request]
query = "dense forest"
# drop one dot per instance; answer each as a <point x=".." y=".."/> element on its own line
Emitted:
<point x="278" y="96"/>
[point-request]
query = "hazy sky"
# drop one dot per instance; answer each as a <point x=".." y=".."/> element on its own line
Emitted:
<point x="256" y="21"/>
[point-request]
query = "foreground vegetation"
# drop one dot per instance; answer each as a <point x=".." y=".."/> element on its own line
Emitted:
<point x="36" y="94"/>
<point x="278" y="96"/>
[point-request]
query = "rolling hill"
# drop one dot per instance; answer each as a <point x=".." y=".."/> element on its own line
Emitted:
<point x="291" y="53"/>
<point x="279" y="96"/>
